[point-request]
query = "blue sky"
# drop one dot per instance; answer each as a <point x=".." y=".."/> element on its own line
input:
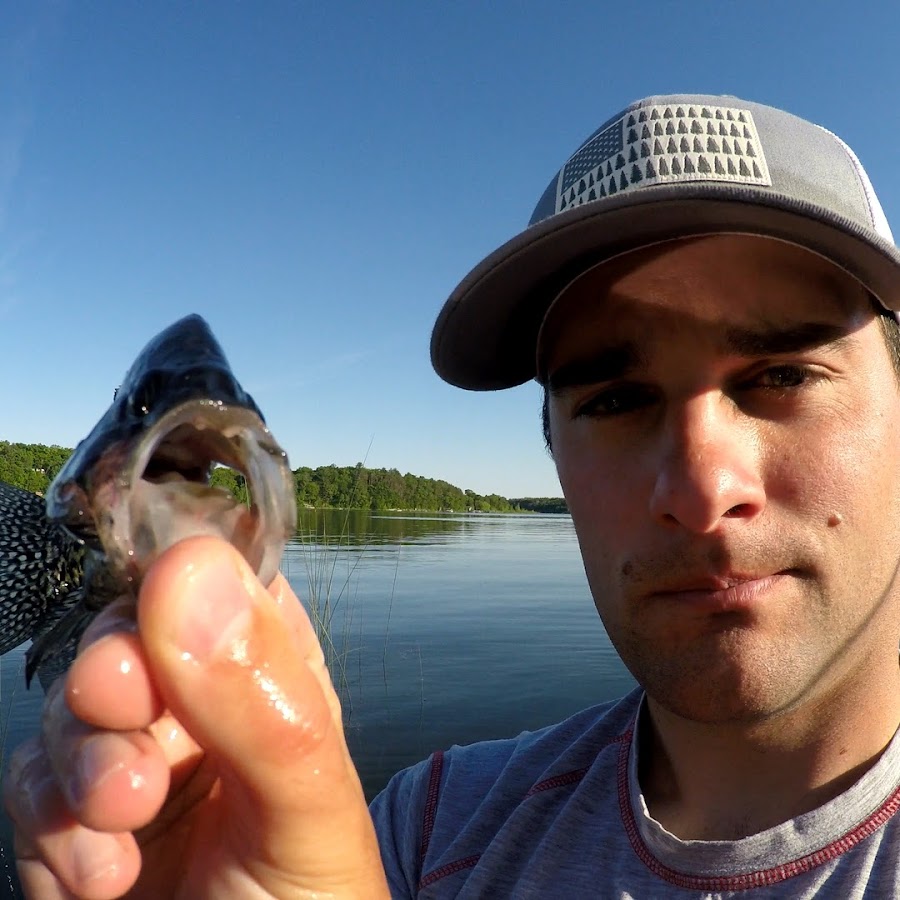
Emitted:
<point x="314" y="178"/>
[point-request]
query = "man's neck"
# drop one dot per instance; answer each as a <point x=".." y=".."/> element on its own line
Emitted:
<point x="706" y="781"/>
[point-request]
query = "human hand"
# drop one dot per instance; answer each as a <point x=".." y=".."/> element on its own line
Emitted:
<point x="198" y="753"/>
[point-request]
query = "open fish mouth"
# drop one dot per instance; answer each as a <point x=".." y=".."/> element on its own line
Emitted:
<point x="142" y="480"/>
<point x="150" y="493"/>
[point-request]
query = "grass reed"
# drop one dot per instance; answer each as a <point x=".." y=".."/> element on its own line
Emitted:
<point x="330" y="597"/>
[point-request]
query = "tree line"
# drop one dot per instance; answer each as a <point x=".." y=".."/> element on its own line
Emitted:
<point x="541" y="504"/>
<point x="33" y="467"/>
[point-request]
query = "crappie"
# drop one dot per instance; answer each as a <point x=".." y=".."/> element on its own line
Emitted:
<point x="138" y="483"/>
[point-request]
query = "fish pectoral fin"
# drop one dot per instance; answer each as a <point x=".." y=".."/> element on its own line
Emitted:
<point x="55" y="649"/>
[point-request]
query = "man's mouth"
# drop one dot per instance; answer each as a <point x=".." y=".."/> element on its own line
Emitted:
<point x="720" y="593"/>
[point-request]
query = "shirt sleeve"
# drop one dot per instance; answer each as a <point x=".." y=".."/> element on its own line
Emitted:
<point x="398" y="813"/>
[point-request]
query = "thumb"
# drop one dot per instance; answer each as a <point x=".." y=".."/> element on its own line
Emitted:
<point x="241" y="669"/>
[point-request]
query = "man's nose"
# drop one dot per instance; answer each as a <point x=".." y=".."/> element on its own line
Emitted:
<point x="708" y="465"/>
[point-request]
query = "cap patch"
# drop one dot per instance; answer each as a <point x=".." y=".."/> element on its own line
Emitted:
<point x="664" y="144"/>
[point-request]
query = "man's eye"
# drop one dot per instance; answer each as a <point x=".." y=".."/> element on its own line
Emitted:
<point x="783" y="377"/>
<point x="614" y="402"/>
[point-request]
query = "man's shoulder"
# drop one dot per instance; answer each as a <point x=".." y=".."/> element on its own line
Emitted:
<point x="463" y="775"/>
<point x="451" y="805"/>
<point x="569" y="745"/>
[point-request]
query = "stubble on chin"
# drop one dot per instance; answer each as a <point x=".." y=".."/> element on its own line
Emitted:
<point x="733" y="676"/>
<point x="732" y="667"/>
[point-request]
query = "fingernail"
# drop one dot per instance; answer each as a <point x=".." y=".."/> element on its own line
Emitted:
<point x="95" y="855"/>
<point x="98" y="758"/>
<point x="216" y="612"/>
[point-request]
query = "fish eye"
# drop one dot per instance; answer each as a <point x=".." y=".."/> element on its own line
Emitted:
<point x="145" y="395"/>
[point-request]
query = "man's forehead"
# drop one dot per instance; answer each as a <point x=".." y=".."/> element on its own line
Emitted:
<point x="718" y="266"/>
<point x="781" y="259"/>
<point x="737" y="292"/>
<point x="740" y="280"/>
<point x="735" y="323"/>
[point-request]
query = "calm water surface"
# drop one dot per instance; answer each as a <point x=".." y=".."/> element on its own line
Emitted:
<point x="443" y="629"/>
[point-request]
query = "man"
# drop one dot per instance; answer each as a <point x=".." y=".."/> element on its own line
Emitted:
<point x="704" y="293"/>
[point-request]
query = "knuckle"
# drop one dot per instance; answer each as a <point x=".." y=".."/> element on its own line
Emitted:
<point x="30" y="786"/>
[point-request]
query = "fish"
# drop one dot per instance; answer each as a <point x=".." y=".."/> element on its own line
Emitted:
<point x="136" y="485"/>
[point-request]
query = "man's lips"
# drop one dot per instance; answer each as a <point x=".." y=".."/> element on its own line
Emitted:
<point x="731" y="593"/>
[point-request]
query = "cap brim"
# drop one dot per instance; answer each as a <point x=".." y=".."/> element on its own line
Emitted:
<point x="486" y="334"/>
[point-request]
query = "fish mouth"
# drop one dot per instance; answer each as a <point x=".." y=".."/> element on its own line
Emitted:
<point x="160" y="493"/>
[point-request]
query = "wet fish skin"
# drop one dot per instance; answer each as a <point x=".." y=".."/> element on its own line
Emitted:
<point x="135" y="485"/>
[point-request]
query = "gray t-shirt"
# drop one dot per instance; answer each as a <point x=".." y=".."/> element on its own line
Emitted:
<point x="559" y="813"/>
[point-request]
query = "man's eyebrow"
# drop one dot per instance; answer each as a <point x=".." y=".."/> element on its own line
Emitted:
<point x="618" y="360"/>
<point x="776" y="340"/>
<point x="605" y="365"/>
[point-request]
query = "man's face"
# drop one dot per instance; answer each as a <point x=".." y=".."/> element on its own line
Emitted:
<point x="726" y="428"/>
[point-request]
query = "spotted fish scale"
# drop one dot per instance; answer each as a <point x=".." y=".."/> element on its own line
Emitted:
<point x="41" y="568"/>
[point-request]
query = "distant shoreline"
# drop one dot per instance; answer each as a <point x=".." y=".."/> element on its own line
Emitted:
<point x="33" y="466"/>
<point x="455" y="512"/>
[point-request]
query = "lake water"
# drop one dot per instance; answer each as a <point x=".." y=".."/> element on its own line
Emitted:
<point x="444" y="629"/>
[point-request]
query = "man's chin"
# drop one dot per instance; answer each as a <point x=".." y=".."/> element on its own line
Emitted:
<point x="718" y="708"/>
<point x="748" y="693"/>
<point x="733" y="675"/>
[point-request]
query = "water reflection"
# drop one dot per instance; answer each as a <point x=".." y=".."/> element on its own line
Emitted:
<point x="451" y="628"/>
<point x="358" y="527"/>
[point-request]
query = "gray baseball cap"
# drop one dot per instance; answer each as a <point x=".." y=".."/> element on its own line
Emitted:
<point x="666" y="167"/>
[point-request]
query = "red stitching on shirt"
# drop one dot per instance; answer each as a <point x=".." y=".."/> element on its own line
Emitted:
<point x="557" y="781"/>
<point x="457" y="865"/>
<point x="761" y="878"/>
<point x="469" y="862"/>
<point x="431" y="799"/>
<point x="575" y="775"/>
